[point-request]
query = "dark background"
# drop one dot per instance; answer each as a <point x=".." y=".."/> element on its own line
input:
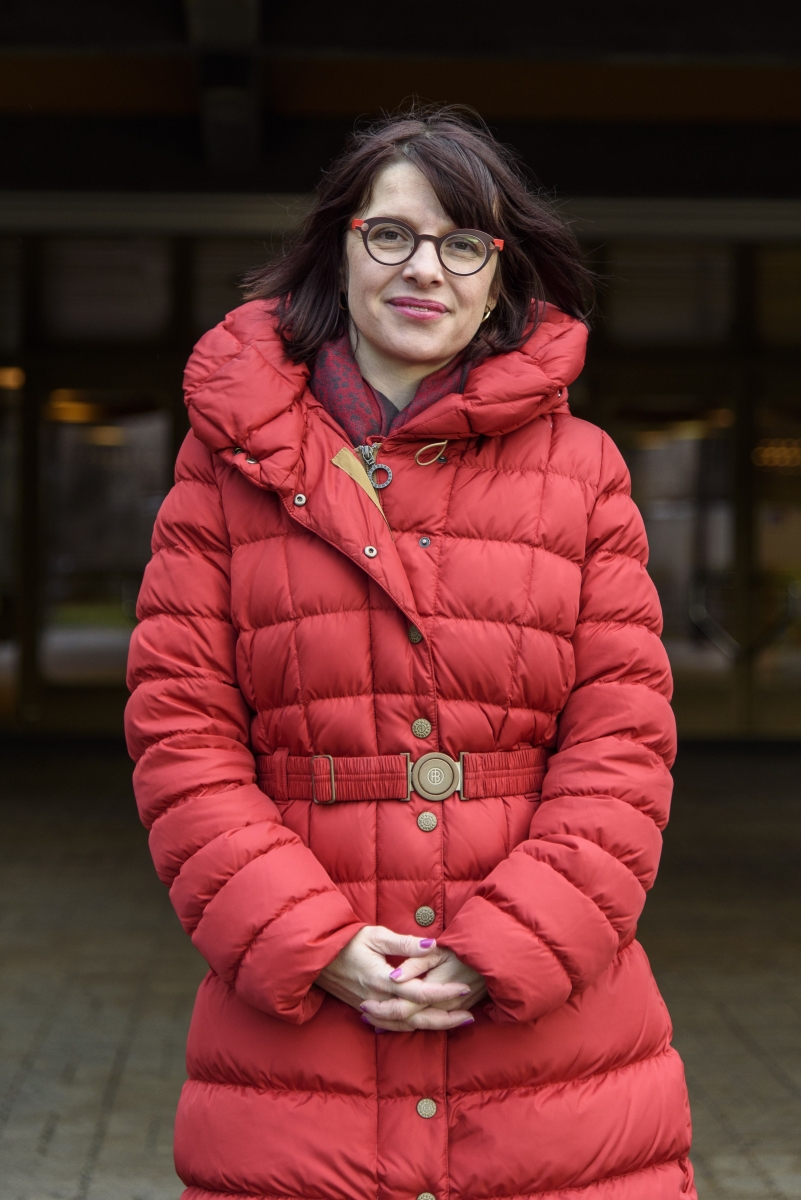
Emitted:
<point x="686" y="99"/>
<point x="151" y="151"/>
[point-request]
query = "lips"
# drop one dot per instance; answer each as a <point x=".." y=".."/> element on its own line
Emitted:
<point x="417" y="306"/>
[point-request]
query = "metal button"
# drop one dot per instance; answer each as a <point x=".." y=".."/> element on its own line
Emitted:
<point x="300" y="499"/>
<point x="426" y="1108"/>
<point x="424" y="541"/>
<point x="427" y="821"/>
<point x="370" y="551"/>
<point x="415" y="635"/>
<point x="252" y="461"/>
<point x="425" y="916"/>
<point x="426" y="1196"/>
<point x="421" y="728"/>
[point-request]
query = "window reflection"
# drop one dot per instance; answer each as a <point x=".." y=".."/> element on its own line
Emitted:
<point x="106" y="289"/>
<point x="106" y="468"/>
<point x="682" y="480"/>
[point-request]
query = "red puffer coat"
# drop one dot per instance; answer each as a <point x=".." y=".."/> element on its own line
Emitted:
<point x="266" y="629"/>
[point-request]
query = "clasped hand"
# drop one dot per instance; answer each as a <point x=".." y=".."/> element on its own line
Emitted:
<point x="431" y="989"/>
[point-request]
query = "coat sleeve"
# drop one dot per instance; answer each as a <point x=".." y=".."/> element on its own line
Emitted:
<point x="552" y="916"/>
<point x="256" y="902"/>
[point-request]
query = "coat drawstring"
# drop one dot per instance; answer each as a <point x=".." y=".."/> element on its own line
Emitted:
<point x="438" y="457"/>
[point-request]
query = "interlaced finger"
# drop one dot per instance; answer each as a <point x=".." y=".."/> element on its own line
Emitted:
<point x="391" y="1010"/>
<point x="426" y="991"/>
<point x="432" y="1019"/>
<point x="413" y="968"/>
<point x="385" y="941"/>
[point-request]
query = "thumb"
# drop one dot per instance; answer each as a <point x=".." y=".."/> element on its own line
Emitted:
<point x="401" y="944"/>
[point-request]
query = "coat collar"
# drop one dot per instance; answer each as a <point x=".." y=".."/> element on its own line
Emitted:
<point x="253" y="409"/>
<point x="241" y="390"/>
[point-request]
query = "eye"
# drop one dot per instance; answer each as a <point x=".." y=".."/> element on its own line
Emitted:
<point x="390" y="243"/>
<point x="464" y="246"/>
<point x="390" y="235"/>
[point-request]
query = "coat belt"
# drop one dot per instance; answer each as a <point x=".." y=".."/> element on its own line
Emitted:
<point x="329" y="779"/>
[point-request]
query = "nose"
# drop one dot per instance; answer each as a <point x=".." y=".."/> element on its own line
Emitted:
<point x="424" y="266"/>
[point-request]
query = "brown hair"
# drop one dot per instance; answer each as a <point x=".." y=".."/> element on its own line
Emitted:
<point x="478" y="182"/>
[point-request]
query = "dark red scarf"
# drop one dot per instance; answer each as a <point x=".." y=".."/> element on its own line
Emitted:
<point x="337" y="383"/>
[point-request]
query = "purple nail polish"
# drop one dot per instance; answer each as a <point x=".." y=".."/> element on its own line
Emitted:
<point x="365" y="1018"/>
<point x="363" y="1005"/>
<point x="426" y="943"/>
<point x="469" y="1021"/>
<point x="378" y="1030"/>
<point x="464" y="992"/>
<point x="396" y="974"/>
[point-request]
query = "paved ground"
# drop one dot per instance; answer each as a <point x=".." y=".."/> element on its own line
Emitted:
<point x="723" y="930"/>
<point x="96" y="988"/>
<point x="97" y="980"/>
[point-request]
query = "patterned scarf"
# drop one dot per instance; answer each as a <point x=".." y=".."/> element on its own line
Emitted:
<point x="363" y="412"/>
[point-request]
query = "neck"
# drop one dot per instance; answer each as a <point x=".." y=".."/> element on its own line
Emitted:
<point x="396" y="380"/>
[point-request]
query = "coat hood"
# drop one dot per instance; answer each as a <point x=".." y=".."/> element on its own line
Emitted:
<point x="242" y="391"/>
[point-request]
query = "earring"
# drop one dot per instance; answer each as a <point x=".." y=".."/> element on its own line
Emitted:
<point x="343" y="306"/>
<point x="487" y="312"/>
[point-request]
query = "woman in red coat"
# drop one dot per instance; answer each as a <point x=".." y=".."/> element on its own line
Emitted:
<point x="401" y="715"/>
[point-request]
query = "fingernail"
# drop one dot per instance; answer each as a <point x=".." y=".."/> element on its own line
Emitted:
<point x="396" y="974"/>
<point x="379" y="1030"/>
<point x="363" y="1005"/>
<point x="464" y="992"/>
<point x="426" y="943"/>
<point x="364" y="1018"/>
<point x="469" y="1021"/>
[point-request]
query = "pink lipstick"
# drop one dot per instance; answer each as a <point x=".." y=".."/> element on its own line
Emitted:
<point x="417" y="308"/>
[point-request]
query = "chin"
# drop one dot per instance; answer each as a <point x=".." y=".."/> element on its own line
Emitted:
<point x="419" y="349"/>
<point x="423" y="355"/>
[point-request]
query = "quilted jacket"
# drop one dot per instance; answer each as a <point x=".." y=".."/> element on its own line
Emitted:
<point x="264" y="629"/>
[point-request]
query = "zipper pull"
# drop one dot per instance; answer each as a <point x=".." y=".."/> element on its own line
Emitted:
<point x="367" y="454"/>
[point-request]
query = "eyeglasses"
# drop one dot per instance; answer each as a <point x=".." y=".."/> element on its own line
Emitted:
<point x="462" y="252"/>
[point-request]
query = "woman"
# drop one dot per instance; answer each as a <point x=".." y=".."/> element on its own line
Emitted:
<point x="400" y="714"/>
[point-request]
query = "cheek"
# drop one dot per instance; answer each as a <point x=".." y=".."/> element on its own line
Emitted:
<point x="365" y="287"/>
<point x="472" y="295"/>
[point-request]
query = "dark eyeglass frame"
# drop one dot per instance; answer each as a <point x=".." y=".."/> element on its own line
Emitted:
<point x="363" y="226"/>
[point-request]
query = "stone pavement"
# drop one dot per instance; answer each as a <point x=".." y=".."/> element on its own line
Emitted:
<point x="96" y="987"/>
<point x="97" y="979"/>
<point x="723" y="931"/>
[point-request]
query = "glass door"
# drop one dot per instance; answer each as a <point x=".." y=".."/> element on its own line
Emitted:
<point x="694" y="368"/>
<point x="105" y="471"/>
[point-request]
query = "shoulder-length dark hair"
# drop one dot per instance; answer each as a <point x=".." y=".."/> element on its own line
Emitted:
<point x="480" y="186"/>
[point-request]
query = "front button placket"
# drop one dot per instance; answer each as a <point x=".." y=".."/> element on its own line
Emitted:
<point x="411" y="1090"/>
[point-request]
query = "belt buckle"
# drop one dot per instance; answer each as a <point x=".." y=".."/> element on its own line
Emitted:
<point x="436" y="776"/>
<point x="333" y="784"/>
